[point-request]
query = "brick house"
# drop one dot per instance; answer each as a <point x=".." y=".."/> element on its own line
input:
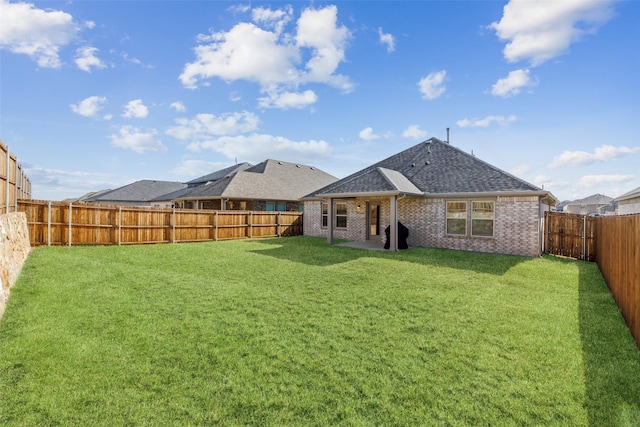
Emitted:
<point x="445" y="197"/>
<point x="271" y="185"/>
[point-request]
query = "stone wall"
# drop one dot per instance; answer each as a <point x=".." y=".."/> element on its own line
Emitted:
<point x="14" y="249"/>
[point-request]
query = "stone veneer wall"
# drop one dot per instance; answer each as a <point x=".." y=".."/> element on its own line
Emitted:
<point x="14" y="249"/>
<point x="516" y="227"/>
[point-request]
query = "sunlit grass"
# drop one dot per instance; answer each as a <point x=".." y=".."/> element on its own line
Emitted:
<point x="294" y="332"/>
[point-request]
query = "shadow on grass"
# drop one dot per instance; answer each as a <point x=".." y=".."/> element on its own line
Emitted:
<point x="316" y="251"/>
<point x="610" y="355"/>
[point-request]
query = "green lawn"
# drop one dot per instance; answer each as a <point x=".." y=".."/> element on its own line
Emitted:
<point x="292" y="331"/>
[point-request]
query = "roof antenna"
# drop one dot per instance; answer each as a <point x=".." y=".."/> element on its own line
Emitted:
<point x="447" y="135"/>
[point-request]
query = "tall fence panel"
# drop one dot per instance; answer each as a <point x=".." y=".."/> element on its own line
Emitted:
<point x="570" y="235"/>
<point x="14" y="184"/>
<point x="60" y="223"/>
<point x="618" y="257"/>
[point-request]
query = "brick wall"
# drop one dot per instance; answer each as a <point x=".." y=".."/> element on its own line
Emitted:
<point x="14" y="249"/>
<point x="516" y="226"/>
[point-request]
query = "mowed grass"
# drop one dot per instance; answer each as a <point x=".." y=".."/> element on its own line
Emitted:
<point x="292" y="331"/>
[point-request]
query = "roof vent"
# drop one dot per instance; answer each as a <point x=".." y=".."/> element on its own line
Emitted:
<point x="297" y="166"/>
<point x="413" y="165"/>
<point x="427" y="162"/>
<point x="280" y="163"/>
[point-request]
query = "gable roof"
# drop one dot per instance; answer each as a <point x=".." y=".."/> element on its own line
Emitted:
<point x="594" y="199"/>
<point x="214" y="176"/>
<point x="268" y="180"/>
<point x="145" y="190"/>
<point x="629" y="195"/>
<point x="432" y="167"/>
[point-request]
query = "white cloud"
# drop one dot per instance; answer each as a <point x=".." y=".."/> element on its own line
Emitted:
<point x="135" y="109"/>
<point x="368" y="135"/>
<point x="414" y="131"/>
<point x="512" y="84"/>
<point x="286" y="100"/>
<point x="205" y="126"/>
<point x="387" y="40"/>
<point x="276" y="19"/>
<point x="600" y="154"/>
<point x="85" y="59"/>
<point x="134" y="139"/>
<point x="134" y="60"/>
<point x="178" y="106"/>
<point x="486" y="122"/>
<point x="589" y="181"/>
<point x="245" y="52"/>
<point x="318" y="29"/>
<point x="89" y="107"/>
<point x="520" y="170"/>
<point x="57" y="184"/>
<point x="538" y="31"/>
<point x="432" y="86"/>
<point x="35" y="32"/>
<point x="271" y="57"/>
<point x="256" y="147"/>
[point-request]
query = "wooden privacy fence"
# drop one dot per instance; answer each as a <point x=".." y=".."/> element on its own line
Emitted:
<point x="570" y="235"/>
<point x="14" y="184"/>
<point x="613" y="242"/>
<point x="618" y="257"/>
<point x="60" y="223"/>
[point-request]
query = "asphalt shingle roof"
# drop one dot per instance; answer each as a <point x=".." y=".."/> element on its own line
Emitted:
<point x="144" y="190"/>
<point x="268" y="180"/>
<point x="432" y="167"/>
<point x="220" y="174"/>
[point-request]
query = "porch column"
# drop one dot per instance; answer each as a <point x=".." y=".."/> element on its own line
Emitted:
<point x="330" y="221"/>
<point x="393" y="227"/>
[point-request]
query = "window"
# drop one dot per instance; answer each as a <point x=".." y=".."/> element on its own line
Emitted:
<point x="281" y="206"/>
<point x="325" y="214"/>
<point x="482" y="218"/>
<point x="341" y="215"/>
<point x="457" y="218"/>
<point x="269" y="206"/>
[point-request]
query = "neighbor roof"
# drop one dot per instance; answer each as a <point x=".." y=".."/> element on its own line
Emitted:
<point x="219" y="174"/>
<point x="431" y="167"/>
<point x="145" y="190"/>
<point x="629" y="195"/>
<point x="594" y="199"/>
<point x="268" y="180"/>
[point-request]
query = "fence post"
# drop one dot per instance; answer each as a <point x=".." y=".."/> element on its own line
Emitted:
<point x="173" y="225"/>
<point x="119" y="225"/>
<point x="8" y="176"/>
<point x="215" y="229"/>
<point x="250" y="218"/>
<point x="70" y="221"/>
<point x="584" y="237"/>
<point x="49" y="224"/>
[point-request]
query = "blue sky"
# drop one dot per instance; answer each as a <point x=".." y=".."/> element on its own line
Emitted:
<point x="98" y="94"/>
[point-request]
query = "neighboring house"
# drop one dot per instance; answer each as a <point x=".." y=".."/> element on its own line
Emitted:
<point x="215" y="176"/>
<point x="145" y="192"/>
<point x="268" y="186"/>
<point x="86" y="196"/>
<point x="629" y="203"/>
<point x="593" y="204"/>
<point x="445" y="197"/>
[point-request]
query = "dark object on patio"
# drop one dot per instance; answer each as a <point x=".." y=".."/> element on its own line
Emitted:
<point x="403" y="234"/>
